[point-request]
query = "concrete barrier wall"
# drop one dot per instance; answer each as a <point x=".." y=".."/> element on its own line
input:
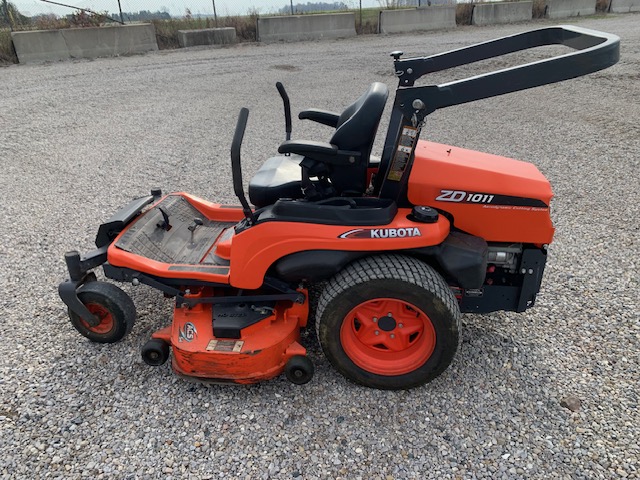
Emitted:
<point x="625" y="6"/>
<point x="570" y="8"/>
<point x="52" y="45"/>
<point x="206" y="36"/>
<point x="423" y="18"/>
<point x="306" y="27"/>
<point x="495" y="13"/>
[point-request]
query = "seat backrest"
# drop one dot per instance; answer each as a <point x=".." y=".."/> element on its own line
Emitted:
<point x="356" y="131"/>
<point x="358" y="123"/>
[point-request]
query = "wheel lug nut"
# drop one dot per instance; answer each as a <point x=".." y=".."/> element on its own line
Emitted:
<point x="393" y="336"/>
<point x="375" y="319"/>
<point x="400" y="325"/>
<point x="389" y="314"/>
<point x="377" y="332"/>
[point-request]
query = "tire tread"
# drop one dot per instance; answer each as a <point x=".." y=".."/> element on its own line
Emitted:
<point x="390" y="267"/>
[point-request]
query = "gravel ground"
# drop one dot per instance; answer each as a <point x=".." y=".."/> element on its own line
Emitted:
<point x="80" y="139"/>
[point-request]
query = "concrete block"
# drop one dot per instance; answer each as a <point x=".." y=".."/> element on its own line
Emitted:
<point x="207" y="36"/>
<point x="306" y="27"/>
<point x="496" y="13"/>
<point x="570" y="8"/>
<point x="52" y="45"/>
<point x="40" y="46"/>
<point x="417" y="19"/>
<point x="625" y="6"/>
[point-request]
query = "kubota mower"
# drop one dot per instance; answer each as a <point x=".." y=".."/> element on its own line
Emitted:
<point x="402" y="244"/>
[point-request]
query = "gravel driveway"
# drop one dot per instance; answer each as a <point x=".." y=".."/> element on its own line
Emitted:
<point x="78" y="140"/>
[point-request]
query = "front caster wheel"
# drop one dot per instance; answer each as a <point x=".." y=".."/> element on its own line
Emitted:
<point x="299" y="370"/>
<point x="155" y="352"/>
<point x="388" y="322"/>
<point x="111" y="305"/>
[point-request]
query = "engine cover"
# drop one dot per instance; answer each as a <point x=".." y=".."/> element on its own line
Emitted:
<point x="493" y="197"/>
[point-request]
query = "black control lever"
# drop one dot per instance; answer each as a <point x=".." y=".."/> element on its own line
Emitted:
<point x="164" y="224"/>
<point x="236" y="167"/>
<point x="196" y="223"/>
<point x="287" y="109"/>
<point x="192" y="228"/>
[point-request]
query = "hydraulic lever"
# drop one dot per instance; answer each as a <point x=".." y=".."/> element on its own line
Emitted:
<point x="164" y="224"/>
<point x="192" y="228"/>
<point x="287" y="110"/>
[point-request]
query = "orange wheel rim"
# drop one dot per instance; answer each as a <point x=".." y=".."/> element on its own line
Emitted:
<point x="105" y="317"/>
<point x="387" y="336"/>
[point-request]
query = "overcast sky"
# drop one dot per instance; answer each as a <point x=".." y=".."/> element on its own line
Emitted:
<point x="174" y="7"/>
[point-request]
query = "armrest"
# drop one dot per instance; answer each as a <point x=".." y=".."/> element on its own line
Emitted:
<point x="308" y="148"/>
<point x="319" y="151"/>
<point x="321" y="116"/>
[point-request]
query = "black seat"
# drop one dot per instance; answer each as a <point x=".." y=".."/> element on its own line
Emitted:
<point x="279" y="177"/>
<point x="342" y="162"/>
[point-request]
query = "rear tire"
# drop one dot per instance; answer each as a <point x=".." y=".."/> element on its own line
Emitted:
<point x="388" y="322"/>
<point x="111" y="305"/>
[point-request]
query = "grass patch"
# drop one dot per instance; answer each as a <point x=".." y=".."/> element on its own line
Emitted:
<point x="7" y="53"/>
<point x="369" y="24"/>
<point x="539" y="9"/>
<point x="167" y="30"/>
<point x="464" y="13"/>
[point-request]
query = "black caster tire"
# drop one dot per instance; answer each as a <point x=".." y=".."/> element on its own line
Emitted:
<point x="299" y="370"/>
<point x="111" y="305"/>
<point x="388" y="322"/>
<point x="155" y="352"/>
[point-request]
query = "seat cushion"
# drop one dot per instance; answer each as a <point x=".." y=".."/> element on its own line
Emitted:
<point x="279" y="177"/>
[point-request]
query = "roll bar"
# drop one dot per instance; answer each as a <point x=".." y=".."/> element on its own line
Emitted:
<point x="594" y="51"/>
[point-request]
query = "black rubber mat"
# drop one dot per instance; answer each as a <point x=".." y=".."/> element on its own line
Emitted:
<point x="177" y="245"/>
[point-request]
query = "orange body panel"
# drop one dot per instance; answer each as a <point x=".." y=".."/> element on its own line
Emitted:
<point x="260" y="354"/>
<point x="120" y="258"/>
<point x="215" y="211"/>
<point x="258" y="247"/>
<point x="254" y="250"/>
<point x="446" y="177"/>
<point x="212" y="211"/>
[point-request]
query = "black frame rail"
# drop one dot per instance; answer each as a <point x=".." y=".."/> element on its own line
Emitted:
<point x="594" y="51"/>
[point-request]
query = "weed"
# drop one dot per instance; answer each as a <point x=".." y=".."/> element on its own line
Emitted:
<point x="50" y="22"/>
<point x="464" y="13"/>
<point x="82" y="18"/>
<point x="539" y="9"/>
<point x="246" y="27"/>
<point x="367" y="21"/>
<point x="7" y="53"/>
<point x="167" y="30"/>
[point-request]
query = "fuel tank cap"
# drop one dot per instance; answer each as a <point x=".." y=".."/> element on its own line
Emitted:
<point x="424" y="214"/>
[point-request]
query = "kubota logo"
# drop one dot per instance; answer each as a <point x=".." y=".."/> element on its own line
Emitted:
<point x="382" y="233"/>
